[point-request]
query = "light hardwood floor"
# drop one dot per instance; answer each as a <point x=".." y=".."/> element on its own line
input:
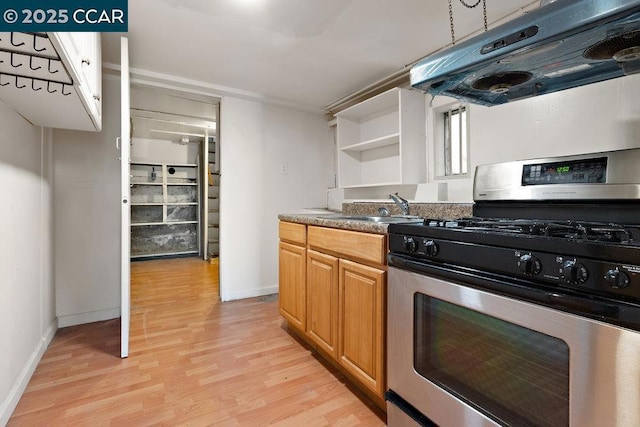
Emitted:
<point x="193" y="361"/>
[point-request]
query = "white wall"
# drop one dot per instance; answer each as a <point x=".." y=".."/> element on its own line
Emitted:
<point x="599" y="117"/>
<point x="162" y="151"/>
<point x="257" y="141"/>
<point x="87" y="218"/>
<point x="27" y="303"/>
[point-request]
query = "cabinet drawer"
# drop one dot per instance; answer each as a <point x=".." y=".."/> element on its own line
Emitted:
<point x="349" y="244"/>
<point x="292" y="232"/>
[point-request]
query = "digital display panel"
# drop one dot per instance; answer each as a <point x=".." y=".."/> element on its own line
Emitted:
<point x="587" y="171"/>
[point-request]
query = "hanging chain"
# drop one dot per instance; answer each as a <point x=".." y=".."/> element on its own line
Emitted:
<point x="453" y="34"/>
<point x="484" y="14"/>
<point x="469" y="6"/>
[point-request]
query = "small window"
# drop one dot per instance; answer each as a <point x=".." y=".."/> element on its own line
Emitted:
<point x="455" y="141"/>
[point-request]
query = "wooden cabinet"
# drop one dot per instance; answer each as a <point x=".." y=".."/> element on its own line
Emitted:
<point x="381" y="141"/>
<point x="361" y="323"/>
<point x="344" y="297"/>
<point x="292" y="271"/>
<point x="366" y="247"/>
<point x="322" y="301"/>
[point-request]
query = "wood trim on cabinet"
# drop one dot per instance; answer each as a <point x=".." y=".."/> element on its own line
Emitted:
<point x="361" y="324"/>
<point x="322" y="301"/>
<point x="349" y="244"/>
<point x="292" y="284"/>
<point x="293" y="232"/>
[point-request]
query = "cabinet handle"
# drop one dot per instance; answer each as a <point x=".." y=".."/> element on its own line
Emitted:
<point x="86" y="61"/>
<point x="118" y="139"/>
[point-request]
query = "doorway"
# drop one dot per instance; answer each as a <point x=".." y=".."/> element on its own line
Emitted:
<point x="175" y="174"/>
<point x="165" y="174"/>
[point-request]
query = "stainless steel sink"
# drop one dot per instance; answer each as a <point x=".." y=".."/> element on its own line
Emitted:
<point x="380" y="219"/>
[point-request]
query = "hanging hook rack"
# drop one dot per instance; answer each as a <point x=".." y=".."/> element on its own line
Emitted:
<point x="42" y="76"/>
<point x="33" y="80"/>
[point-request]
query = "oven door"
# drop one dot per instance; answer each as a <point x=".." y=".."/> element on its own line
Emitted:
<point x="467" y="357"/>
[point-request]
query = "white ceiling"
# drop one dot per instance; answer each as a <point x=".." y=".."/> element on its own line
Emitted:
<point x="307" y="52"/>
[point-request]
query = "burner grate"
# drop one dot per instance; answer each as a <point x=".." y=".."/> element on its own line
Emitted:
<point x="592" y="232"/>
<point x="570" y="230"/>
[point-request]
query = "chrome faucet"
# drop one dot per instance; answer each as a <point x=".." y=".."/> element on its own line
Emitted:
<point x="402" y="203"/>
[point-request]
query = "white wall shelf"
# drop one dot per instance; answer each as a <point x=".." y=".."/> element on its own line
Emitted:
<point x="381" y="141"/>
<point x="165" y="213"/>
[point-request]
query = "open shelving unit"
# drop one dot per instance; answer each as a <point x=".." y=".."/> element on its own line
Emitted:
<point x="381" y="141"/>
<point x="165" y="209"/>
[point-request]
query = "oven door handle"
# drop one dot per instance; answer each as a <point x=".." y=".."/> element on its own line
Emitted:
<point x="621" y="313"/>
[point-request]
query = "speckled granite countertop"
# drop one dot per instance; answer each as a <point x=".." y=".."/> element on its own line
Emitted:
<point x="327" y="221"/>
<point x="424" y="210"/>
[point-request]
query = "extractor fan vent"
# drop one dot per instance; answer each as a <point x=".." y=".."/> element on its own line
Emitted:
<point x="625" y="47"/>
<point x="501" y="82"/>
<point x="578" y="42"/>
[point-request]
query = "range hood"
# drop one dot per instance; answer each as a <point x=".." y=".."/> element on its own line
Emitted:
<point x="565" y="44"/>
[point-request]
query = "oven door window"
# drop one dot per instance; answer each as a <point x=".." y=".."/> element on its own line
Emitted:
<point x="513" y="374"/>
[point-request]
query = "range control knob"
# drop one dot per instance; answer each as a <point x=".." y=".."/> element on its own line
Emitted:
<point x="574" y="272"/>
<point x="410" y="245"/>
<point x="529" y="265"/>
<point x="616" y="279"/>
<point x="430" y="247"/>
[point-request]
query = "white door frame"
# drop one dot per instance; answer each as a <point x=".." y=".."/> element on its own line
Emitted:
<point x="125" y="196"/>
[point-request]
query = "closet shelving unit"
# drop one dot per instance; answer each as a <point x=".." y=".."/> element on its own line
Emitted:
<point x="165" y="209"/>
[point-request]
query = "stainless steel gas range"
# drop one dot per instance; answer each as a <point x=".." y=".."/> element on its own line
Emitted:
<point x="527" y="313"/>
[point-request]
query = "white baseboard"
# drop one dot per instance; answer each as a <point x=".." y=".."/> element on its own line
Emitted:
<point x="9" y="405"/>
<point x="89" y="317"/>
<point x="249" y="293"/>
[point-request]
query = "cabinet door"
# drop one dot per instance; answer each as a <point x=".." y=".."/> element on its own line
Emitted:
<point x="322" y="301"/>
<point x="361" y="324"/>
<point x="81" y="53"/>
<point x="292" y="284"/>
